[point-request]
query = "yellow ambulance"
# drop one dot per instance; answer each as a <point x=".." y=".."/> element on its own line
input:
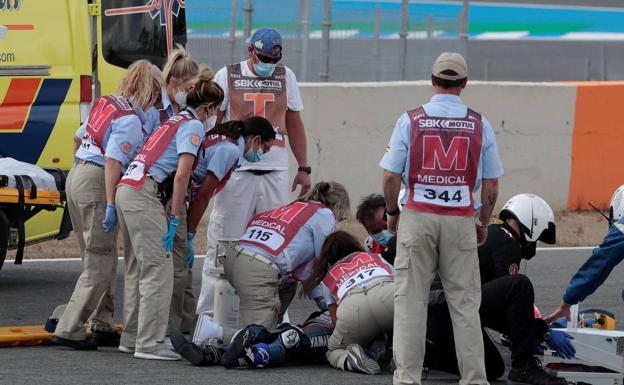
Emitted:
<point x="55" y="58"/>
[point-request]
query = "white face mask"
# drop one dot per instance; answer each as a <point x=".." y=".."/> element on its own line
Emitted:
<point x="210" y="122"/>
<point x="180" y="98"/>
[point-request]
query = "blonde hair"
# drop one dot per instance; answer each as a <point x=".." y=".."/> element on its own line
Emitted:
<point x="142" y="81"/>
<point x="179" y="65"/>
<point x="205" y="90"/>
<point x="333" y="195"/>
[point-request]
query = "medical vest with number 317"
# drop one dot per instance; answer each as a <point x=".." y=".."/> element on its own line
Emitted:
<point x="444" y="161"/>
<point x="273" y="230"/>
<point x="355" y="270"/>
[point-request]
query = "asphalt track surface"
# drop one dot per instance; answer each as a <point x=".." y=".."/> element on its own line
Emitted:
<point x="29" y="293"/>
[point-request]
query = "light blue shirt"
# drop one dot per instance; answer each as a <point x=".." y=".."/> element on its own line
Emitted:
<point x="121" y="140"/>
<point x="187" y="140"/>
<point x="153" y="115"/>
<point x="219" y="160"/>
<point x="396" y="158"/>
<point x="301" y="253"/>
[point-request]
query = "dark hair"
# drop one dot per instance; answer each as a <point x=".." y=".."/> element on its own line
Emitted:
<point x="205" y="90"/>
<point x="367" y="208"/>
<point x="336" y="246"/>
<point x="446" y="84"/>
<point x="256" y="125"/>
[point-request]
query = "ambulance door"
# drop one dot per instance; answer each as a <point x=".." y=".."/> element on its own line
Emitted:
<point x="129" y="30"/>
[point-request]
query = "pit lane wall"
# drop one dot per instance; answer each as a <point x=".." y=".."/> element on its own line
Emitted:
<point x="561" y="141"/>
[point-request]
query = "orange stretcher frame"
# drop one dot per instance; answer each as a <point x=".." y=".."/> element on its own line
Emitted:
<point x="44" y="197"/>
<point x="28" y="335"/>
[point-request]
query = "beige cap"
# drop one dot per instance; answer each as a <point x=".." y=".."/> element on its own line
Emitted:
<point x="450" y="61"/>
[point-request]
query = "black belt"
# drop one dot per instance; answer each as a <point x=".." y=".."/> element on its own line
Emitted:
<point x="82" y="161"/>
<point x="259" y="172"/>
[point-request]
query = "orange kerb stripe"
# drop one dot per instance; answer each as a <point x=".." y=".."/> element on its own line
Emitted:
<point x="597" y="144"/>
<point x="19" y="27"/>
<point x="17" y="101"/>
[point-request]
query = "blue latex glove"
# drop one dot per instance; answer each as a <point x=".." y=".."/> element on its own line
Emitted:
<point x="560" y="342"/>
<point x="171" y="231"/>
<point x="190" y="256"/>
<point x="110" y="218"/>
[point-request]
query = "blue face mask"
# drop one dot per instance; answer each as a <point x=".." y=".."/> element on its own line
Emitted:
<point x="264" y="70"/>
<point x="253" y="156"/>
<point x="383" y="237"/>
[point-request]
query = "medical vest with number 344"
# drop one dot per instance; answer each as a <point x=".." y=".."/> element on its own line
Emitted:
<point x="273" y="230"/>
<point x="444" y="161"/>
<point x="355" y="270"/>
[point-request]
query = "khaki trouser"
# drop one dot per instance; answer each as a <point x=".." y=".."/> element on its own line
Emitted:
<point x="263" y="297"/>
<point x="149" y="269"/>
<point x="182" y="312"/>
<point x="361" y="316"/>
<point x="95" y="289"/>
<point x="429" y="243"/>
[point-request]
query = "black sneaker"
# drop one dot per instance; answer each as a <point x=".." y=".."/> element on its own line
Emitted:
<point x="106" y="338"/>
<point x="243" y="339"/>
<point x="533" y="373"/>
<point x="196" y="355"/>
<point x="86" y="344"/>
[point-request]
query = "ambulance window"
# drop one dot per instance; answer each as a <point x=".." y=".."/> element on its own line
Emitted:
<point x="127" y="37"/>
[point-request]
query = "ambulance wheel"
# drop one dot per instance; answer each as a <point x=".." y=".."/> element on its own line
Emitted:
<point x="4" y="236"/>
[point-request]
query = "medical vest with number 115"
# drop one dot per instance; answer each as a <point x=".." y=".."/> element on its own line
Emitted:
<point x="273" y="230"/>
<point x="355" y="270"/>
<point x="444" y="161"/>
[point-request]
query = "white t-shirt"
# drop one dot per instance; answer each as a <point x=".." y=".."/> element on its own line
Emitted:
<point x="277" y="158"/>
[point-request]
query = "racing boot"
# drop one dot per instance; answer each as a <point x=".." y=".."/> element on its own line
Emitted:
<point x="241" y="341"/>
<point x="533" y="373"/>
<point x="358" y="361"/>
<point x="196" y="355"/>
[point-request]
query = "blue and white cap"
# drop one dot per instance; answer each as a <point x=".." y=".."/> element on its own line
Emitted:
<point x="265" y="40"/>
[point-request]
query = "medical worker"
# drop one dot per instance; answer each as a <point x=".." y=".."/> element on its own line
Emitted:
<point x="362" y="285"/>
<point x="258" y="86"/>
<point x="178" y="73"/>
<point x="276" y="252"/>
<point x="224" y="145"/>
<point x="170" y="152"/>
<point x="442" y="151"/>
<point x="104" y="143"/>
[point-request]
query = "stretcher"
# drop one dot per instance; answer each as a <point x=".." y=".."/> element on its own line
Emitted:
<point x="21" y="202"/>
<point x="28" y="335"/>
<point x="599" y="357"/>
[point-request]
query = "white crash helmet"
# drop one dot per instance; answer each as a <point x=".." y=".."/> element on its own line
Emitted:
<point x="617" y="205"/>
<point x="534" y="215"/>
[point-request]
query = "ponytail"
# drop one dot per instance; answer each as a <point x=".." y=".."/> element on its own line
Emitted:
<point x="205" y="90"/>
<point x="256" y="125"/>
<point x="179" y="65"/>
<point x="336" y="246"/>
<point x="333" y="195"/>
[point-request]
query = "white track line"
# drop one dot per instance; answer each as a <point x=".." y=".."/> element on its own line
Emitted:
<point x="540" y="249"/>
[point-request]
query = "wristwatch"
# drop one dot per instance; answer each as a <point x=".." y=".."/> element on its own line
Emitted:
<point x="306" y="169"/>
<point x="480" y="224"/>
<point x="394" y="212"/>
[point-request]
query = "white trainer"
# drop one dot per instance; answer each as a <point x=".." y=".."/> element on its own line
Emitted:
<point x="162" y="354"/>
<point x="124" y="349"/>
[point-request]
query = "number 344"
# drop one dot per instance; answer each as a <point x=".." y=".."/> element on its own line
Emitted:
<point x="443" y="196"/>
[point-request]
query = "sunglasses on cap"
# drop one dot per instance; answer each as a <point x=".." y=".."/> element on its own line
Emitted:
<point x="268" y="59"/>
